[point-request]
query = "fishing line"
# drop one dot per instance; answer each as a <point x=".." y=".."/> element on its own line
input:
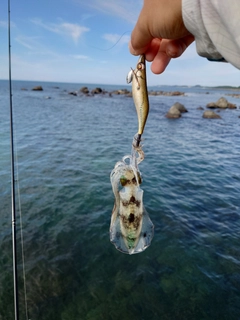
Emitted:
<point x="112" y="45"/>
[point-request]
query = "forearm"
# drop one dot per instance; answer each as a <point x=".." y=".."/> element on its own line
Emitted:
<point x="216" y="27"/>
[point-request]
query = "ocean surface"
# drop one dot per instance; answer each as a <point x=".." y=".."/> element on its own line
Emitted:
<point x="66" y="147"/>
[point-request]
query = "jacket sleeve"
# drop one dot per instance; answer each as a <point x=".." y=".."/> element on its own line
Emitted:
<point x="215" y="25"/>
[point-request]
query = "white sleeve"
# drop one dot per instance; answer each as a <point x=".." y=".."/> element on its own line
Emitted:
<point x="215" y="25"/>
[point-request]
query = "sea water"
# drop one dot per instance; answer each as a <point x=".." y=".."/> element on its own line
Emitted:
<point x="66" y="147"/>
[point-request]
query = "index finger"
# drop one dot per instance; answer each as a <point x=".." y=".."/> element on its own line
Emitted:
<point x="141" y="37"/>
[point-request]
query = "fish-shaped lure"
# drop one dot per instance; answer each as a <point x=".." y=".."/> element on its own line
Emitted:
<point x="131" y="229"/>
<point x="140" y="94"/>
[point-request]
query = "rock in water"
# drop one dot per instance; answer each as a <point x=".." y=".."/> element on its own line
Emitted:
<point x="222" y="103"/>
<point x="231" y="106"/>
<point x="37" y="88"/>
<point x="180" y="107"/>
<point x="173" y="113"/>
<point x="84" y="90"/>
<point x="208" y="114"/>
<point x="211" y="105"/>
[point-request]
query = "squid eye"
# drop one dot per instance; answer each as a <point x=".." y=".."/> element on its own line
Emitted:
<point x="123" y="181"/>
<point x="140" y="66"/>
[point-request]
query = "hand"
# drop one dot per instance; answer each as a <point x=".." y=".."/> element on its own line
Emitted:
<point x="160" y="33"/>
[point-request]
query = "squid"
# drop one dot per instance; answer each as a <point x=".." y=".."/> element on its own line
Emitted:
<point x="131" y="230"/>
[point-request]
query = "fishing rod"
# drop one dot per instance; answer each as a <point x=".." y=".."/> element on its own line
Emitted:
<point x="14" y="242"/>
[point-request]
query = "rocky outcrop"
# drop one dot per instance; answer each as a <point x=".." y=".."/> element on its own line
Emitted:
<point x="211" y="105"/>
<point x="166" y="93"/>
<point x="234" y="95"/>
<point x="173" y="113"/>
<point x="37" y="88"/>
<point x="208" y="114"/>
<point x="122" y="91"/>
<point x="231" y="106"/>
<point x="180" y="107"/>
<point x="73" y="93"/>
<point x="96" y="91"/>
<point x="84" y="90"/>
<point x="222" y="103"/>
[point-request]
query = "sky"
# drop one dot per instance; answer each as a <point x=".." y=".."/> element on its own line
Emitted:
<point x="86" y="41"/>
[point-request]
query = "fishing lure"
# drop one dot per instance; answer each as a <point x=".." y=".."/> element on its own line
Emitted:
<point x="140" y="94"/>
<point x="131" y="229"/>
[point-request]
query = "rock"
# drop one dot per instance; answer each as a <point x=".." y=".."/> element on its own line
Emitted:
<point x="234" y="95"/>
<point x="84" y="90"/>
<point x="152" y="93"/>
<point x="23" y="89"/>
<point x="208" y="114"/>
<point x="166" y="93"/>
<point x="200" y="108"/>
<point x="222" y="103"/>
<point x="231" y="106"/>
<point x="176" y="93"/>
<point x="96" y="91"/>
<point x="211" y="105"/>
<point x="73" y="93"/>
<point x="37" y="88"/>
<point x="173" y="113"/>
<point x="121" y="91"/>
<point x="180" y="107"/>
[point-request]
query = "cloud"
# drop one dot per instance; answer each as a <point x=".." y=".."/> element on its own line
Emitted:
<point x="126" y="10"/>
<point x="72" y="30"/>
<point x="4" y="24"/>
<point x="27" y="42"/>
<point x="80" y="57"/>
<point x="116" y="38"/>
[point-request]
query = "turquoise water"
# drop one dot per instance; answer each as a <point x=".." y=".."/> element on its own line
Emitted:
<point x="66" y="149"/>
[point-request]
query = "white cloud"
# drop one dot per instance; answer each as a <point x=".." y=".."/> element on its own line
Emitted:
<point x="73" y="30"/>
<point x="4" y="24"/>
<point x="116" y="38"/>
<point x="35" y="47"/>
<point x="126" y="10"/>
<point x="27" y="42"/>
<point x="80" y="57"/>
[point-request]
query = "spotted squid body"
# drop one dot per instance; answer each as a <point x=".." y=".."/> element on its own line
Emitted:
<point x="131" y="229"/>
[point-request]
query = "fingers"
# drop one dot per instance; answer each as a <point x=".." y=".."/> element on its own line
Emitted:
<point x="160" y="52"/>
<point x="160" y="62"/>
<point x="140" y="39"/>
<point x="175" y="48"/>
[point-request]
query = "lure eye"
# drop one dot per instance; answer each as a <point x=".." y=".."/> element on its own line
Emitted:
<point x="140" y="66"/>
<point x="129" y="76"/>
<point x="123" y="181"/>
